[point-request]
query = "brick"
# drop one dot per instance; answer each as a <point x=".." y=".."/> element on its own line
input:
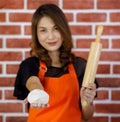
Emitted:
<point x="91" y="17"/>
<point x="2" y="17"/>
<point x="78" y="4"/>
<point x="9" y="95"/>
<point x="9" y="29"/>
<point x="27" y="30"/>
<point x="115" y="95"/>
<point x="115" y="17"/>
<point x="80" y="30"/>
<point x="10" y="107"/>
<point x="98" y="119"/>
<point x="111" y="30"/>
<point x="1" y="118"/>
<point x="102" y="95"/>
<point x="20" y="17"/>
<point x="85" y="43"/>
<point x="16" y="119"/>
<point x="0" y="69"/>
<point x="10" y="56"/>
<point x="81" y="54"/>
<point x="115" y="119"/>
<point x="12" y="4"/>
<point x="12" y="68"/>
<point x="33" y="4"/>
<point x="107" y="108"/>
<point x="69" y="17"/>
<point x="18" y="43"/>
<point x="110" y="56"/>
<point x="108" y="82"/>
<point x="116" y="69"/>
<point x="7" y="81"/>
<point x="0" y="43"/>
<point x="116" y="43"/>
<point x="103" y="69"/>
<point x="27" y="54"/>
<point x="108" y="4"/>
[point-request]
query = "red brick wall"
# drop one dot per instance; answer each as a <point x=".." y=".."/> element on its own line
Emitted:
<point x="83" y="17"/>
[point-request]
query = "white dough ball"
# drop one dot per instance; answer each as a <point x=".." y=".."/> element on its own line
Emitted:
<point x="38" y="96"/>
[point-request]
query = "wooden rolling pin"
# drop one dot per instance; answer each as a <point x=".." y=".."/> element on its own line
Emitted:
<point x="92" y="62"/>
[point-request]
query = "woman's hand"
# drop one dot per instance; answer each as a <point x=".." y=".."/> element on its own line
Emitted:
<point x="37" y="98"/>
<point x="87" y="96"/>
<point x="36" y="105"/>
<point x="88" y="93"/>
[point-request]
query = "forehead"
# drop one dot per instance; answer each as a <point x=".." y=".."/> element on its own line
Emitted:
<point x="46" y="22"/>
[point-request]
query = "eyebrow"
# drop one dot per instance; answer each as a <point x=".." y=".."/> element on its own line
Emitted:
<point x="45" y="27"/>
<point x="41" y="27"/>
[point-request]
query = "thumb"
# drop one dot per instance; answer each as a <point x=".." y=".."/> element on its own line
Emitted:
<point x="25" y="101"/>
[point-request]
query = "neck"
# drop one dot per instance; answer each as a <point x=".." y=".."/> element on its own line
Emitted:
<point x="55" y="59"/>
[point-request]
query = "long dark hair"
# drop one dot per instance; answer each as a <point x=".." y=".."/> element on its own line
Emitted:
<point x="55" y="13"/>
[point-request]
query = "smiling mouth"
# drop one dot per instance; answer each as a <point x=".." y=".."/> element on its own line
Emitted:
<point x="52" y="43"/>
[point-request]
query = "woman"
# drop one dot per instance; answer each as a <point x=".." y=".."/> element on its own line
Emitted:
<point x="54" y="69"/>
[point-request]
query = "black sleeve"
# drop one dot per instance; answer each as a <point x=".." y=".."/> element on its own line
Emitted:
<point x="28" y="67"/>
<point x="80" y="64"/>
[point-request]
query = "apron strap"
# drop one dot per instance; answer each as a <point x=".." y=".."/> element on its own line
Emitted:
<point x="42" y="70"/>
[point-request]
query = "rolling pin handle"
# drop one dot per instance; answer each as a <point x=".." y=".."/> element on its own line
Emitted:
<point x="99" y="33"/>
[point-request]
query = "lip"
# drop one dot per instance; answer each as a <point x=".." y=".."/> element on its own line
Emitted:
<point x="52" y="43"/>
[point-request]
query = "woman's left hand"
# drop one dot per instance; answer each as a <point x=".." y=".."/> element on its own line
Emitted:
<point x="36" y="105"/>
<point x="88" y="93"/>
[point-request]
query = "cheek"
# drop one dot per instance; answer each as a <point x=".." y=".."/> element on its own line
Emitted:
<point x="41" y="38"/>
<point x="59" y="36"/>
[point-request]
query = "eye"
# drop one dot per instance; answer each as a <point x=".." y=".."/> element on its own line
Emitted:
<point x="42" y="30"/>
<point x="56" y="28"/>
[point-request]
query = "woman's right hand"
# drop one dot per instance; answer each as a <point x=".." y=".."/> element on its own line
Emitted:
<point x="37" y="98"/>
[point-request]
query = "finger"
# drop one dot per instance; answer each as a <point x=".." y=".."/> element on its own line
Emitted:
<point x="88" y="98"/>
<point x="44" y="105"/>
<point x="92" y="86"/>
<point x="34" y="105"/>
<point x="82" y="91"/>
<point x="25" y="101"/>
<point x="83" y="88"/>
<point x="91" y="93"/>
<point x="48" y="105"/>
<point x="39" y="105"/>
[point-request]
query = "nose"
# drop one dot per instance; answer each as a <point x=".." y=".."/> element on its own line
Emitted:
<point x="50" y="35"/>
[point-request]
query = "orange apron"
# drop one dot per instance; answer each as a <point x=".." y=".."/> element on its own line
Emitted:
<point x="63" y="98"/>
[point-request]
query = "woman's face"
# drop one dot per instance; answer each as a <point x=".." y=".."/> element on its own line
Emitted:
<point x="48" y="34"/>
